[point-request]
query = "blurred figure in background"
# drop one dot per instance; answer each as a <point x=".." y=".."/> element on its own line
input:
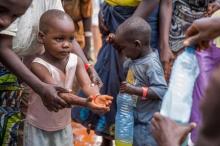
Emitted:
<point x="81" y="13"/>
<point x="97" y="40"/>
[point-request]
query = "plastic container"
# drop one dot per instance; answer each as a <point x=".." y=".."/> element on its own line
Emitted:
<point x="177" y="101"/>
<point x="124" y="125"/>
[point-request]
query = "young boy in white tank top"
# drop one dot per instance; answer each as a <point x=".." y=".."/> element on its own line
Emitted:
<point x="58" y="66"/>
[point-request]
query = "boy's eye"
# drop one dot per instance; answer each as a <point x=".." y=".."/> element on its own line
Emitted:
<point x="59" y="39"/>
<point x="71" y="39"/>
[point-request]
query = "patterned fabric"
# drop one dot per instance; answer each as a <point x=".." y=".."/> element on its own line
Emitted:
<point x="10" y="117"/>
<point x="184" y="13"/>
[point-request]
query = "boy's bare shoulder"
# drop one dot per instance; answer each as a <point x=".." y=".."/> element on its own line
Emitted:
<point x="40" y="70"/>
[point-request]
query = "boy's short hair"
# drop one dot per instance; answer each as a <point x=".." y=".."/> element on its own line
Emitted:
<point x="49" y="16"/>
<point x="135" y="28"/>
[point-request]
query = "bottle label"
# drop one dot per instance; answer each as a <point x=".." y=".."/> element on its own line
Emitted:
<point x="134" y="98"/>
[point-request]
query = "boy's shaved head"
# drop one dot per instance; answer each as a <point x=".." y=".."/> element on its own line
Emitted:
<point x="135" y="28"/>
<point x="50" y="16"/>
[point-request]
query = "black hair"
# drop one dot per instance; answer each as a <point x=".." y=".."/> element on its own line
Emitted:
<point x="45" y="19"/>
<point x="135" y="28"/>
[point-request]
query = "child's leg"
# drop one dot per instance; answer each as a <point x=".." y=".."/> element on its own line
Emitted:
<point x="36" y="137"/>
<point x="142" y="128"/>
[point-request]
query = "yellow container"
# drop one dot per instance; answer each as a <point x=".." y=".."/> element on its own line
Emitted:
<point x="122" y="143"/>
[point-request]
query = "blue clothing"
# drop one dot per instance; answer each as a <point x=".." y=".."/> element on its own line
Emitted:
<point x="110" y="68"/>
<point x="146" y="72"/>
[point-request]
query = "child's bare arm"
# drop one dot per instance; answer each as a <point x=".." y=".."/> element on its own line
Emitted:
<point x="166" y="55"/>
<point x="43" y="74"/>
<point x="102" y="104"/>
<point x="89" y="89"/>
<point x="144" y="92"/>
<point x="91" y="71"/>
<point x="12" y="62"/>
<point x="84" y="80"/>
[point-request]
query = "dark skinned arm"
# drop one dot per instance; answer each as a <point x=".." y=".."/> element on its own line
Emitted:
<point x="145" y="8"/>
<point x="133" y="90"/>
<point x="99" y="107"/>
<point x="87" y="22"/>
<point x="202" y="31"/>
<point x="78" y="51"/>
<point x="100" y="103"/>
<point x="91" y="71"/>
<point x="166" y="55"/>
<point x="13" y="63"/>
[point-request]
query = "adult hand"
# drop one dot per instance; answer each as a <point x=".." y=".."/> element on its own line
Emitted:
<point x="50" y="98"/>
<point x="166" y="57"/>
<point x="168" y="132"/>
<point x="94" y="77"/>
<point x="201" y="32"/>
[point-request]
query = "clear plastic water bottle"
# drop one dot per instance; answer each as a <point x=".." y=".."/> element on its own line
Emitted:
<point x="177" y="101"/>
<point x="124" y="122"/>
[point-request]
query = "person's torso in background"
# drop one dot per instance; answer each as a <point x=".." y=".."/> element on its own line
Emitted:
<point x="184" y="13"/>
<point x="25" y="43"/>
<point x="152" y="19"/>
<point x="78" y="10"/>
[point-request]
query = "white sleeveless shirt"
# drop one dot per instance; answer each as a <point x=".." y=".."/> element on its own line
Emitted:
<point x="37" y="114"/>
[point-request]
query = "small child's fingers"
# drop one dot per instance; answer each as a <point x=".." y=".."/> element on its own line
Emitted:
<point x="122" y="91"/>
<point x="103" y="108"/>
<point x="123" y="83"/>
<point x="123" y="88"/>
<point x="108" y="97"/>
<point x="108" y="103"/>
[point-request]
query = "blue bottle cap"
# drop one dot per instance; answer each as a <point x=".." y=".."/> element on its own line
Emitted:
<point x="190" y="49"/>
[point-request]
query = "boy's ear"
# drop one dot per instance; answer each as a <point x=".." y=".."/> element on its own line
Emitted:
<point x="137" y="43"/>
<point x="40" y="37"/>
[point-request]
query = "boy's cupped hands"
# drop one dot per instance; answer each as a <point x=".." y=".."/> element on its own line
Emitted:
<point x="98" y="103"/>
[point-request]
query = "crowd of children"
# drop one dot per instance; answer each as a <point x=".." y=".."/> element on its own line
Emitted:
<point x="141" y="40"/>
